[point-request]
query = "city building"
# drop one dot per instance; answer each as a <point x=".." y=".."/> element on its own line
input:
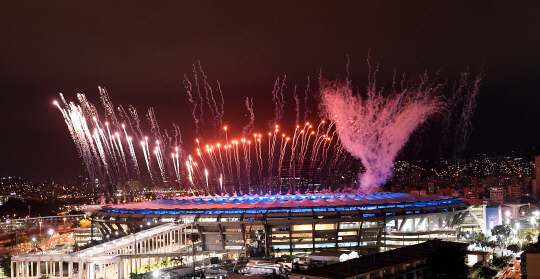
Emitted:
<point x="497" y="194"/>
<point x="536" y="181"/>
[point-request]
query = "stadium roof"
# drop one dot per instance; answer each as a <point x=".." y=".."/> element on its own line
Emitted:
<point x="351" y="201"/>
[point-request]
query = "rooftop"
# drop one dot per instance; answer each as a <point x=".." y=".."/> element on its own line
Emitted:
<point x="180" y="205"/>
<point x="378" y="261"/>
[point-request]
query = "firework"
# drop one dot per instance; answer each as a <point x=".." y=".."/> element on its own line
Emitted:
<point x="369" y="129"/>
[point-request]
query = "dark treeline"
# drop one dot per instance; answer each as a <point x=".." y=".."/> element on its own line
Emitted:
<point x="16" y="208"/>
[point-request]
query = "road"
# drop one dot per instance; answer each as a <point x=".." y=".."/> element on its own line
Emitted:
<point x="511" y="272"/>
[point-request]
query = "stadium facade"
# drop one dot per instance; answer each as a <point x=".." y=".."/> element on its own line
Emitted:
<point x="295" y="223"/>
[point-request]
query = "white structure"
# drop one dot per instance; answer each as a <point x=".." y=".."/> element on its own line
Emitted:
<point x="333" y="256"/>
<point x="116" y="259"/>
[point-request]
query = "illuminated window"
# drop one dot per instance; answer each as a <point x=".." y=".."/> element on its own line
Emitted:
<point x="320" y="227"/>
<point x="306" y="227"/>
<point x="301" y="235"/>
<point x="346" y="233"/>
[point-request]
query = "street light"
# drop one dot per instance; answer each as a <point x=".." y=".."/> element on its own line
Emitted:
<point x="40" y="226"/>
<point x="64" y="223"/>
<point x="51" y="232"/>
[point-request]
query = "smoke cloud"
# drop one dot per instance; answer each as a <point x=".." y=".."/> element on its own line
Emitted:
<point x="376" y="126"/>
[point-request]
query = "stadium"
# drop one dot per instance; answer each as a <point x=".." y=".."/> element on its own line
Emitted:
<point x="294" y="223"/>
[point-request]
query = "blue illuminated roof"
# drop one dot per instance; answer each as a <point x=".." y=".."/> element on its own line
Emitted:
<point x="277" y="203"/>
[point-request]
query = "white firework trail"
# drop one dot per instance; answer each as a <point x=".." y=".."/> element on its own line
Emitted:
<point x="247" y="161"/>
<point x="222" y="172"/>
<point x="146" y="152"/>
<point x="305" y="142"/>
<point x="132" y="152"/>
<point x="237" y="159"/>
<point x="207" y="185"/>
<point x="257" y="142"/>
<point x="159" y="157"/>
<point x="316" y="144"/>
<point x="293" y="151"/>
<point x="271" y="148"/>
<point x="228" y="153"/>
<point x="209" y="150"/>
<point x="120" y="148"/>
<point x="283" y="146"/>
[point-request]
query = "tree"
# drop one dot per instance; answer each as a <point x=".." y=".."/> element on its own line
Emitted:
<point x="480" y="240"/>
<point x="41" y="239"/>
<point x="85" y="224"/>
<point x="485" y="272"/>
<point x="500" y="262"/>
<point x="529" y="236"/>
<point x="176" y="260"/>
<point x="18" y="239"/>
<point x="502" y="231"/>
<point x="491" y="244"/>
<point x="514" y="248"/>
<point x="12" y="237"/>
<point x="476" y="268"/>
<point x="5" y="264"/>
<point x="135" y="275"/>
<point x="448" y="262"/>
<point x="24" y="239"/>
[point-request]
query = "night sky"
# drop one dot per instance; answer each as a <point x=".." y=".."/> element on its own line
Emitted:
<point x="140" y="50"/>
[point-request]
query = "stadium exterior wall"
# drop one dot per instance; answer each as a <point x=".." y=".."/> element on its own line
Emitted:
<point x="294" y="224"/>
